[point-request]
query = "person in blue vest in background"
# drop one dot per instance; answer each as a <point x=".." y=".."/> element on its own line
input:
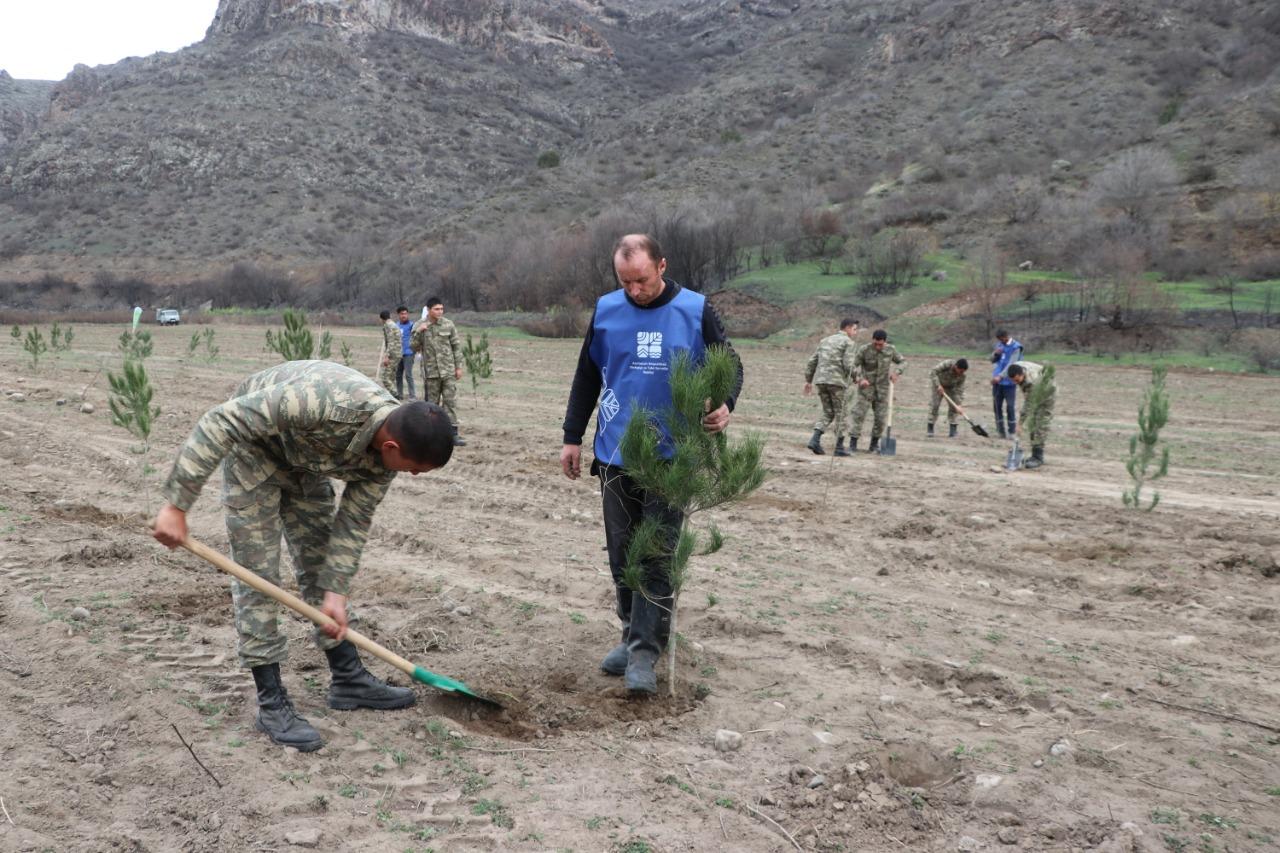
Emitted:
<point x="625" y="361"/>
<point x="1004" y="393"/>
<point x="404" y="373"/>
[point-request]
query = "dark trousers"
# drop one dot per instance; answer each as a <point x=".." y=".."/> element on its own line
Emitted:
<point x="625" y="504"/>
<point x="1006" y="396"/>
<point x="404" y="373"/>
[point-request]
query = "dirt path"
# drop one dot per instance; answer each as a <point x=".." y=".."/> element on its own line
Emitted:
<point x="920" y="653"/>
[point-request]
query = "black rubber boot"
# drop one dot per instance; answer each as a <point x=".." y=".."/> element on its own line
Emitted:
<point x="615" y="662"/>
<point x="353" y="686"/>
<point x="874" y="445"/>
<point x="650" y="624"/>
<point x="929" y="431"/>
<point x="952" y="432"/>
<point x="458" y="441"/>
<point x="840" y="451"/>
<point x="1037" y="457"/>
<point x="1000" y="429"/>
<point x="853" y="445"/>
<point x="276" y="717"/>
<point x="815" y="443"/>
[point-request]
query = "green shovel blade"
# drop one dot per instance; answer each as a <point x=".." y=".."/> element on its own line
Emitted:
<point x="441" y="682"/>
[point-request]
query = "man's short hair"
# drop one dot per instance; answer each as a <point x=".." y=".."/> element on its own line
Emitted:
<point x="629" y="244"/>
<point x="847" y="322"/>
<point x="423" y="431"/>
<point x="1001" y="333"/>
<point x="962" y="363"/>
<point x="879" y="335"/>
<point x="385" y="315"/>
<point x="1014" y="370"/>
<point x="434" y="301"/>
<point x="402" y="308"/>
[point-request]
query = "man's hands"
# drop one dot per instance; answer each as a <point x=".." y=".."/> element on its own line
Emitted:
<point x="457" y="373"/>
<point x="571" y="460"/>
<point x="893" y="377"/>
<point x="719" y="419"/>
<point x="864" y="383"/>
<point x="170" y="526"/>
<point x="808" y="388"/>
<point x="335" y="607"/>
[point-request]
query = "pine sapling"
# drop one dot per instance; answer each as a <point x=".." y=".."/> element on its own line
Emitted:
<point x="479" y="362"/>
<point x="1153" y="414"/>
<point x="193" y="345"/>
<point x="671" y="456"/>
<point x="130" y="401"/>
<point x="348" y="355"/>
<point x="68" y="335"/>
<point x="136" y="344"/>
<point x="35" y="346"/>
<point x="16" y="334"/>
<point x="55" y="337"/>
<point x="1034" y="404"/>
<point x="295" y="342"/>
<point x="325" y="350"/>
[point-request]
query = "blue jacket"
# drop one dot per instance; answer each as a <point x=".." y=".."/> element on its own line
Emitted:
<point x="406" y="333"/>
<point x="1009" y="353"/>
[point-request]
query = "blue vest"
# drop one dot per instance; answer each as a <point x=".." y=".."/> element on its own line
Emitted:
<point x="635" y="349"/>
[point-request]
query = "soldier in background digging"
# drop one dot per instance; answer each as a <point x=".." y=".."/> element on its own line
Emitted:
<point x="391" y="343"/>
<point x="285" y="433"/>
<point x="437" y="339"/>
<point x="947" y="376"/>
<point x="831" y="369"/>
<point x="874" y="363"/>
<point x="1026" y="375"/>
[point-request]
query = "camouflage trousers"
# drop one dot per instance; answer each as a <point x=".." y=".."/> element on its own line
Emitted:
<point x="876" y="399"/>
<point x="935" y="402"/>
<point x="299" y="506"/>
<point x="832" y="398"/>
<point x="1037" y="422"/>
<point x="387" y="373"/>
<point x="444" y="391"/>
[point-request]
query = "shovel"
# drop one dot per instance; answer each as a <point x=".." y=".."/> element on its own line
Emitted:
<point x="978" y="428"/>
<point x="357" y="639"/>
<point x="889" y="444"/>
<point x="1014" y="460"/>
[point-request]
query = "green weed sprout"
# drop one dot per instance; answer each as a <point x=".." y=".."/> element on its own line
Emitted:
<point x="1153" y="414"/>
<point x="705" y="471"/>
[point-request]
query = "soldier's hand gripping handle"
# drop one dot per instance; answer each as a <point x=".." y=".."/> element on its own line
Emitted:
<point x="170" y="526"/>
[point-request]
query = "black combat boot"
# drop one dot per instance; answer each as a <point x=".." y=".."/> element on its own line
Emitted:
<point x="874" y="445"/>
<point x="276" y="717"/>
<point x="615" y="662"/>
<point x="815" y="443"/>
<point x="650" y="623"/>
<point x="952" y="432"/>
<point x="352" y="686"/>
<point x="853" y="444"/>
<point x="1037" y="457"/>
<point x="1000" y="429"/>
<point x="458" y="441"/>
<point x="840" y="451"/>
<point x="929" y="430"/>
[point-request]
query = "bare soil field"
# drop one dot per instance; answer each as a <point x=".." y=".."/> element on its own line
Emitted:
<point x="920" y="652"/>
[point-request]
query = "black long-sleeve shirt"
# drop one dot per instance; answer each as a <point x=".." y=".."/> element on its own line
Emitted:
<point x="585" y="392"/>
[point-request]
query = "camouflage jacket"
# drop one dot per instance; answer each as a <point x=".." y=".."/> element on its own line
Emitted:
<point x="314" y="417"/>
<point x="832" y="362"/>
<point x="944" y="374"/>
<point x="1031" y="375"/>
<point x="873" y="365"/>
<point x="391" y="339"/>
<point x="438" y="343"/>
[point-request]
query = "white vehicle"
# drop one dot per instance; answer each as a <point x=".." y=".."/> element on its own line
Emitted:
<point x="167" y="317"/>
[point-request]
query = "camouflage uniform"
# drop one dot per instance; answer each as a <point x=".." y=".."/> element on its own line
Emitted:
<point x="1030" y="378"/>
<point x="284" y="434"/>
<point x="392" y="346"/>
<point x="944" y="375"/>
<point x="441" y="356"/>
<point x="874" y="366"/>
<point x="831" y="369"/>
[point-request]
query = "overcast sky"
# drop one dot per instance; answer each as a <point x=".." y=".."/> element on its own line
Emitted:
<point x="44" y="39"/>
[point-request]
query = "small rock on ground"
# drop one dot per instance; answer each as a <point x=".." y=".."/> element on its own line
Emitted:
<point x="303" y="837"/>
<point x="87" y="408"/>
<point x="79" y="613"/>
<point x="727" y="740"/>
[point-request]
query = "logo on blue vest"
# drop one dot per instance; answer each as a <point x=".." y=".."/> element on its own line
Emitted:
<point x="609" y="405"/>
<point x="648" y="344"/>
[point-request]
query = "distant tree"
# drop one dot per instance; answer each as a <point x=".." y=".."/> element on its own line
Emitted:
<point x="1137" y="183"/>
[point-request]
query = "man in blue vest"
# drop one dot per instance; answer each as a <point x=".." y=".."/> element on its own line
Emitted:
<point x="1004" y="394"/>
<point x="404" y="373"/>
<point x="625" y="362"/>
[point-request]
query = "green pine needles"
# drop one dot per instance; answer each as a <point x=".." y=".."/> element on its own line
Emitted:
<point x="136" y="344"/>
<point x="202" y="344"/>
<point x="1034" y="404"/>
<point x="130" y="401"/>
<point x="1142" y="466"/>
<point x="705" y="471"/>
<point x="35" y="346"/>
<point x="60" y="337"/>
<point x="295" y="342"/>
<point x="479" y="362"/>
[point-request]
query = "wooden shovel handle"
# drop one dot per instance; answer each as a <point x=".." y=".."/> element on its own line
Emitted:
<point x="294" y="603"/>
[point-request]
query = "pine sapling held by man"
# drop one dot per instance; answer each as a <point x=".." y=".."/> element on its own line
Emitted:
<point x="1153" y="414"/>
<point x="705" y="470"/>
